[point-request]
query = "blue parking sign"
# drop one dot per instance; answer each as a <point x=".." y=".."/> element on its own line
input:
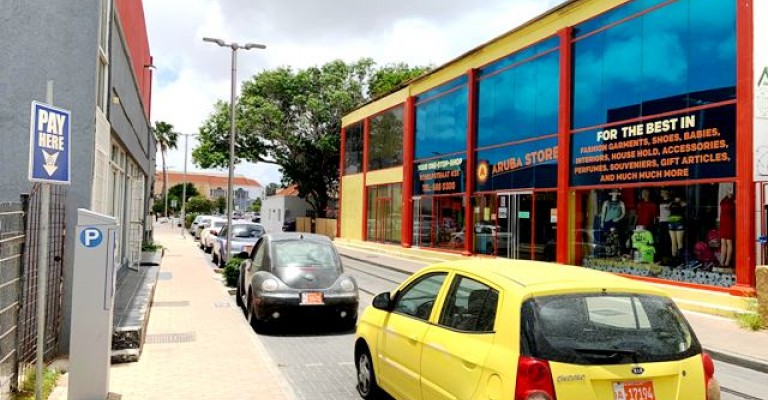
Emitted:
<point x="49" y="146"/>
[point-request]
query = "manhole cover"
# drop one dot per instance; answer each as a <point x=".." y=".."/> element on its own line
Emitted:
<point x="165" y="338"/>
<point x="182" y="303"/>
<point x="165" y="276"/>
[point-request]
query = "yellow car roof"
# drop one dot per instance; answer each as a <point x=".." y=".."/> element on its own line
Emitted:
<point x="538" y="276"/>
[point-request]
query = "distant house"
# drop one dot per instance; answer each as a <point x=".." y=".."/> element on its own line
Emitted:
<point x="283" y="206"/>
<point x="213" y="186"/>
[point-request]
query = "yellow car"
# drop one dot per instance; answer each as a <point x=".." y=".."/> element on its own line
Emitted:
<point x="526" y="330"/>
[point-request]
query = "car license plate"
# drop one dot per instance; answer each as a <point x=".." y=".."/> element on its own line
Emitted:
<point x="311" y="298"/>
<point x="633" y="390"/>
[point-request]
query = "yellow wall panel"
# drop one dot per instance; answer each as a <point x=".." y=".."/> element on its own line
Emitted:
<point x="352" y="207"/>
<point x="376" y="106"/>
<point x="384" y="176"/>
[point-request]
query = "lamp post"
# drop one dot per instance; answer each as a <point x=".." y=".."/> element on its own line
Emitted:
<point x="230" y="195"/>
<point x="184" y="186"/>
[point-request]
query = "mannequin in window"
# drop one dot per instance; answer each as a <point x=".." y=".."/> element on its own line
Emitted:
<point x="662" y="235"/>
<point x="647" y="210"/>
<point x="727" y="231"/>
<point x="613" y="211"/>
<point x="677" y="224"/>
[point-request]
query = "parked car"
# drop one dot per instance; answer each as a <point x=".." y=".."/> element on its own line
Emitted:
<point x="205" y="222"/>
<point x="193" y="226"/>
<point x="208" y="235"/>
<point x="512" y="329"/>
<point x="296" y="275"/>
<point x="244" y="236"/>
<point x="289" y="225"/>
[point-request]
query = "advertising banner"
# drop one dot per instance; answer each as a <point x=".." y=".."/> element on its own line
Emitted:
<point x="679" y="147"/>
<point x="445" y="176"/>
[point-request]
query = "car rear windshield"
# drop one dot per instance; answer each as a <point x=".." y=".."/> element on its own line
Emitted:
<point x="304" y="253"/>
<point x="247" y="231"/>
<point x="599" y="328"/>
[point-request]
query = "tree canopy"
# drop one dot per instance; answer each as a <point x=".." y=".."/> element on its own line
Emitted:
<point x="292" y="118"/>
<point x="177" y="191"/>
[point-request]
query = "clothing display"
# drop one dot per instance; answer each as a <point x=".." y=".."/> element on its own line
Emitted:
<point x="614" y="209"/>
<point x="646" y="212"/>
<point x="676" y="215"/>
<point x="727" y="215"/>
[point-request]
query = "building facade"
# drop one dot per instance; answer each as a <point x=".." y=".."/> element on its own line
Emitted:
<point x="618" y="135"/>
<point x="96" y="55"/>
<point x="213" y="186"/>
<point x="283" y="207"/>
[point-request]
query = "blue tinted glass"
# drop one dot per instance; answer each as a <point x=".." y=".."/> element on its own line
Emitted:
<point x="519" y="103"/>
<point x="462" y="80"/>
<point x="441" y="125"/>
<point x="353" y="149"/>
<point x="617" y="14"/>
<point x="678" y="56"/>
<point x="525" y="165"/>
<point x="528" y="52"/>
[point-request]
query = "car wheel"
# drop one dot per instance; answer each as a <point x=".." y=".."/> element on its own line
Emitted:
<point x="239" y="296"/>
<point x="221" y="262"/>
<point x="253" y="320"/>
<point x="215" y="259"/>
<point x="366" y="378"/>
<point x="208" y="249"/>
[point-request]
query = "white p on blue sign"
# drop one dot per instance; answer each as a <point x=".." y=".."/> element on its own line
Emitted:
<point x="91" y="237"/>
<point x="49" y="145"/>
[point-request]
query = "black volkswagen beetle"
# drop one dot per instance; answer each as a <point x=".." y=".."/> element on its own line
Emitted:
<point x="296" y="274"/>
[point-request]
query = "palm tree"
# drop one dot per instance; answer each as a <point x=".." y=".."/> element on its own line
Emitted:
<point x="166" y="139"/>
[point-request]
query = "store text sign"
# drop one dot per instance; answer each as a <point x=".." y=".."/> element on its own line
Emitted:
<point x="440" y="176"/>
<point x="694" y="145"/>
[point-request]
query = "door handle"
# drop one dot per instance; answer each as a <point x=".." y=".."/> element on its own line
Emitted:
<point x="413" y="339"/>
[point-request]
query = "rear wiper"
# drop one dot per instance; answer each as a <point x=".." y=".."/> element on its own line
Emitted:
<point x="610" y="353"/>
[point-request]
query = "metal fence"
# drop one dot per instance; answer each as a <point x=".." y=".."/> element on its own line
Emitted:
<point x="11" y="252"/>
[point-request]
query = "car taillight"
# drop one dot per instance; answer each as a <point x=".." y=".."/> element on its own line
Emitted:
<point x="534" y="380"/>
<point x="711" y="384"/>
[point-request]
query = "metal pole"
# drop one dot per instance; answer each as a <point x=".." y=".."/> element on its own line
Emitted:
<point x="230" y="196"/>
<point x="184" y="189"/>
<point x="42" y="271"/>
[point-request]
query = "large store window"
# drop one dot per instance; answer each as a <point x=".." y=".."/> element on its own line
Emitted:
<point x="518" y="225"/>
<point x="384" y="213"/>
<point x="682" y="233"/>
<point x="353" y="149"/>
<point x="438" y="222"/>
<point x="385" y="141"/>
<point x="441" y="120"/>
<point x="680" y="55"/>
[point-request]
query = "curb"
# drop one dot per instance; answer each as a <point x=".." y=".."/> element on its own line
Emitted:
<point x="739" y="360"/>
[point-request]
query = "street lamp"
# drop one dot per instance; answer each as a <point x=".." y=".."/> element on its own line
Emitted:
<point x="184" y="185"/>
<point x="230" y="196"/>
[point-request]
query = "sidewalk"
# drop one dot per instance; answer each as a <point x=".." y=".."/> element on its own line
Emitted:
<point x="721" y="337"/>
<point x="198" y="344"/>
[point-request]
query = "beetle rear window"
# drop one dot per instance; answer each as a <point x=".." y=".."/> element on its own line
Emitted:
<point x="304" y="253"/>
<point x="605" y="329"/>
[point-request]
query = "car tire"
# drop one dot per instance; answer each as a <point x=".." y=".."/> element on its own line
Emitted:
<point x="239" y="296"/>
<point x="214" y="259"/>
<point x="253" y="320"/>
<point x="366" y="378"/>
<point x="221" y="263"/>
<point x="208" y="249"/>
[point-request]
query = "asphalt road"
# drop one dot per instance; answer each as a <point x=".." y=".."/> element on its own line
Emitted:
<point x="318" y="361"/>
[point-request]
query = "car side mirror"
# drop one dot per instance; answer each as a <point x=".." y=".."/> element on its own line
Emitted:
<point x="382" y="301"/>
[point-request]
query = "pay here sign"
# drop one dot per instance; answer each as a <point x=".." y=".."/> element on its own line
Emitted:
<point x="49" y="150"/>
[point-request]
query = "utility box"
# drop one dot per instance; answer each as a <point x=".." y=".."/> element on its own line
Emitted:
<point x="93" y="291"/>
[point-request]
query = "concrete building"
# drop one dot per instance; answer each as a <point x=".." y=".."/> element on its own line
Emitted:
<point x="213" y="185"/>
<point x="96" y="53"/>
<point x="283" y="206"/>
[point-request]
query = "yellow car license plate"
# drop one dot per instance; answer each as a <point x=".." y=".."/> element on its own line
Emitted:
<point x="633" y="390"/>
<point x="312" y="298"/>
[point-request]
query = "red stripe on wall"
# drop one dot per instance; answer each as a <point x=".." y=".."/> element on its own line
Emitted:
<point x="342" y="149"/>
<point x="470" y="167"/>
<point x="131" y="16"/>
<point x="409" y="125"/>
<point x="745" y="188"/>
<point x="564" y="145"/>
<point x="366" y="132"/>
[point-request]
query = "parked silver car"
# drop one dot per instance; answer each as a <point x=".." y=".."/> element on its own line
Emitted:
<point x="244" y="236"/>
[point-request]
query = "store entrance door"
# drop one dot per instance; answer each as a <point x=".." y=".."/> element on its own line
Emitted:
<point x="383" y="220"/>
<point x="513" y="220"/>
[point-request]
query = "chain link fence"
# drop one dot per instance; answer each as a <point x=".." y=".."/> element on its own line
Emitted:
<point x="11" y="253"/>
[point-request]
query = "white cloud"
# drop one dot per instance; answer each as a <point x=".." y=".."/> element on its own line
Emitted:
<point x="192" y="75"/>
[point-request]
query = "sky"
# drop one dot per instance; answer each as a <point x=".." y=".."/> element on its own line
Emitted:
<point x="191" y="75"/>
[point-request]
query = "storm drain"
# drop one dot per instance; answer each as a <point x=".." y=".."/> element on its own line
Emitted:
<point x="168" y="338"/>
<point x="182" y="303"/>
<point x="165" y="276"/>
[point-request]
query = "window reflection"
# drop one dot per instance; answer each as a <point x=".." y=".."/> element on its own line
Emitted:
<point x="385" y="143"/>
<point x="353" y="149"/>
<point x="441" y="124"/>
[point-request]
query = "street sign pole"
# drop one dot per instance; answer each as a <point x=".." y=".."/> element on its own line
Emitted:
<point x="42" y="270"/>
<point x="49" y="163"/>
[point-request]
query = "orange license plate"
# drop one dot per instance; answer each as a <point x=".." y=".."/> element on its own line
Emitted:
<point x="311" y="298"/>
<point x="633" y="390"/>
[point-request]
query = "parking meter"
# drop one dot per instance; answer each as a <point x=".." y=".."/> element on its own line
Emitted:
<point x="93" y="291"/>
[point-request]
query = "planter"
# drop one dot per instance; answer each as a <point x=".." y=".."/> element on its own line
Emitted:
<point x="151" y="257"/>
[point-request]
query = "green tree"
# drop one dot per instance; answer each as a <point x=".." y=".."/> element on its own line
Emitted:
<point x="292" y="118"/>
<point x="200" y="205"/>
<point x="256" y="205"/>
<point x="166" y="138"/>
<point x="221" y="204"/>
<point x="178" y="190"/>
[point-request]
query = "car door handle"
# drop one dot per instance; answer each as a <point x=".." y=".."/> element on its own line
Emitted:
<point x="468" y="364"/>
<point x="413" y="339"/>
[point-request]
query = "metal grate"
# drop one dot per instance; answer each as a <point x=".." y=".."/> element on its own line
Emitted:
<point x="168" y="338"/>
<point x="182" y="303"/>
<point x="11" y="252"/>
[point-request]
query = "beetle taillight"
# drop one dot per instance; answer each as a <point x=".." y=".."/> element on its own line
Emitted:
<point x="711" y="385"/>
<point x="534" y="380"/>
